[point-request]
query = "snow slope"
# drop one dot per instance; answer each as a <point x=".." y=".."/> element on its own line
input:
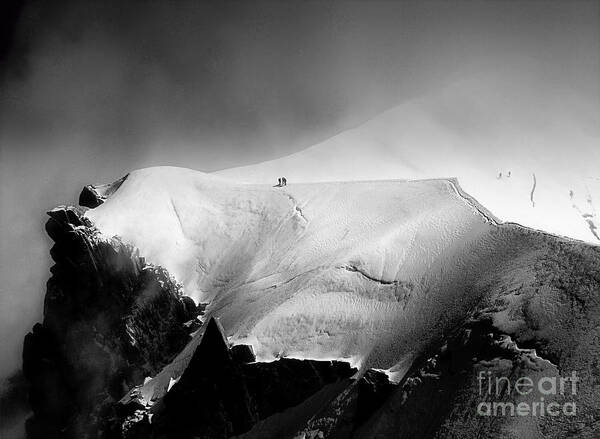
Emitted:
<point x="539" y="166"/>
<point x="371" y="271"/>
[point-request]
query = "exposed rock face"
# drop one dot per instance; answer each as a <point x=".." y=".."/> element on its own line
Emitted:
<point x="221" y="394"/>
<point x="94" y="195"/>
<point x="344" y="411"/>
<point x="14" y="404"/>
<point x="109" y="321"/>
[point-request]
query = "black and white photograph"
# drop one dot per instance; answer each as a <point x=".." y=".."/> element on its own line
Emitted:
<point x="299" y="219"/>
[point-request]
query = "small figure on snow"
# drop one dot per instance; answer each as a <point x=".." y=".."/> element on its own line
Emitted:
<point x="279" y="183"/>
<point x="284" y="181"/>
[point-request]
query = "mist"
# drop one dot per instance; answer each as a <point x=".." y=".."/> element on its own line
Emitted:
<point x="93" y="90"/>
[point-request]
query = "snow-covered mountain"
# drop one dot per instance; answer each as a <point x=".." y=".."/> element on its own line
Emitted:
<point x="360" y="270"/>
<point x="186" y="304"/>
<point x="540" y="169"/>
<point x="414" y="278"/>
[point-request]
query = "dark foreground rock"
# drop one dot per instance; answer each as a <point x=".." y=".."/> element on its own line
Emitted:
<point x="221" y="394"/>
<point x="109" y="321"/>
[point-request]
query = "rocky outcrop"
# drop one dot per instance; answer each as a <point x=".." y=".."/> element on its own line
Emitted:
<point x="469" y="388"/>
<point x="110" y="320"/>
<point x="94" y="195"/>
<point x="223" y="393"/>
<point x="342" y="412"/>
<point x="14" y="406"/>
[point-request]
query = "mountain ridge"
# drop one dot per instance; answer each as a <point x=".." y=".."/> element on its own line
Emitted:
<point x="409" y="282"/>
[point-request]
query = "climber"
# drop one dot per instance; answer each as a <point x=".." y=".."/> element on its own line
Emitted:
<point x="284" y="181"/>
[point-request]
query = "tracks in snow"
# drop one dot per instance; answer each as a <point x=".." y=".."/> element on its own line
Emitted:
<point x="297" y="209"/>
<point x="533" y="191"/>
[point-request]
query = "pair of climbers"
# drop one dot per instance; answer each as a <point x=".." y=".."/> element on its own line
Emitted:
<point x="282" y="181"/>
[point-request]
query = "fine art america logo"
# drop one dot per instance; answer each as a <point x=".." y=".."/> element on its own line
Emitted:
<point x="540" y="395"/>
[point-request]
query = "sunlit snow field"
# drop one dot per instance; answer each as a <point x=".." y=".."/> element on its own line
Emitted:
<point x="369" y="271"/>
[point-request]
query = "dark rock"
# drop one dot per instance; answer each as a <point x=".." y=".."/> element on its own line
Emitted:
<point x="373" y="389"/>
<point x="14" y="405"/>
<point x="284" y="383"/>
<point x="93" y="196"/>
<point x="193" y="325"/>
<point x="243" y="353"/>
<point x="211" y="398"/>
<point x="345" y="412"/>
<point x="89" y="197"/>
<point x="439" y="395"/>
<point x="109" y="321"/>
<point x="222" y="394"/>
